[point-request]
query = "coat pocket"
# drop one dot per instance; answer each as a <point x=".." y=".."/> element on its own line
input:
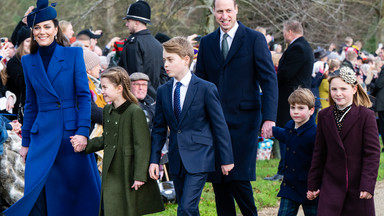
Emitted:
<point x="249" y="105"/>
<point x="202" y="139"/>
<point x="34" y="129"/>
<point x="70" y="125"/>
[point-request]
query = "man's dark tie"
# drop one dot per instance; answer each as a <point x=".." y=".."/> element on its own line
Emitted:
<point x="224" y="46"/>
<point x="176" y="101"/>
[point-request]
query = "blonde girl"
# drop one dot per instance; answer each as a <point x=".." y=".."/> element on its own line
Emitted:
<point x="126" y="188"/>
<point x="334" y="64"/>
<point x="347" y="151"/>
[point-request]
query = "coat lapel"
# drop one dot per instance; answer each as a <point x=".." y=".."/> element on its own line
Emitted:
<point x="55" y="64"/>
<point x="331" y="122"/>
<point x="216" y="46"/>
<point x="40" y="74"/>
<point x="236" y="43"/>
<point x="168" y="101"/>
<point x="191" y="91"/>
<point x="349" y="121"/>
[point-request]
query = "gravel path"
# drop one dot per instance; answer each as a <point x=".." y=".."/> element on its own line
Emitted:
<point x="379" y="203"/>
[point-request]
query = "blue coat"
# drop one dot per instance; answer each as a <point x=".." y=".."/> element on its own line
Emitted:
<point x="57" y="107"/>
<point x="298" y="156"/>
<point x="200" y="132"/>
<point x="248" y="67"/>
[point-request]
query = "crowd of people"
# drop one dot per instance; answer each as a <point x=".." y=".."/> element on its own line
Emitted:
<point x="207" y="98"/>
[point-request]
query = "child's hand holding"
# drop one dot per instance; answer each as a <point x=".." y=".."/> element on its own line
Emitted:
<point x="226" y="168"/>
<point x="154" y="171"/>
<point x="16" y="126"/>
<point x="365" y="195"/>
<point x="79" y="143"/>
<point x="137" y="184"/>
<point x="311" y="195"/>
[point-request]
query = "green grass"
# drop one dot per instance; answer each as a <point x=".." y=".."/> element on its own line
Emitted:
<point x="264" y="191"/>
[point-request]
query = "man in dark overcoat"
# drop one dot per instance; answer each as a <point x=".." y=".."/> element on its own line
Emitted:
<point x="142" y="52"/>
<point x="294" y="70"/>
<point x="237" y="60"/>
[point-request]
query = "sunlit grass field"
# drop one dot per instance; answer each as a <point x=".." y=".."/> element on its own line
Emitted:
<point x="264" y="191"/>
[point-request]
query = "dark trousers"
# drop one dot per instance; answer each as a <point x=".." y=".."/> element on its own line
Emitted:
<point x="40" y="207"/>
<point x="290" y="208"/>
<point x="241" y="191"/>
<point x="188" y="187"/>
<point x="283" y="149"/>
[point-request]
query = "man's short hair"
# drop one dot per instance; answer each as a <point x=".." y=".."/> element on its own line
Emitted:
<point x="348" y="40"/>
<point x="214" y="3"/>
<point x="180" y="46"/>
<point x="83" y="37"/>
<point x="261" y="30"/>
<point x="294" y="26"/>
<point x="302" y="96"/>
<point x="350" y="55"/>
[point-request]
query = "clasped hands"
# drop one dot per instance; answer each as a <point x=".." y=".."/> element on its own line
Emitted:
<point x="311" y="195"/>
<point x="79" y="142"/>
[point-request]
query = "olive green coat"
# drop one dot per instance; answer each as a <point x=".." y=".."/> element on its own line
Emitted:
<point x="127" y="147"/>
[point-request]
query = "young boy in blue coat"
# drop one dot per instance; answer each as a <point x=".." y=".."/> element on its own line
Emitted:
<point x="299" y="135"/>
<point x="190" y="107"/>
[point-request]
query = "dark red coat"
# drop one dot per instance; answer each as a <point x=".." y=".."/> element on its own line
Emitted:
<point x="345" y="164"/>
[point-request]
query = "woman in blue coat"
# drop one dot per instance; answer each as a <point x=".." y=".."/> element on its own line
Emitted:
<point x="58" y="181"/>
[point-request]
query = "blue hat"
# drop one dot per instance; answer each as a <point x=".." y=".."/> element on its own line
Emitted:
<point x="41" y="13"/>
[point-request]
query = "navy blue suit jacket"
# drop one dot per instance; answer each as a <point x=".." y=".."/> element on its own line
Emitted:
<point x="200" y="131"/>
<point x="248" y="67"/>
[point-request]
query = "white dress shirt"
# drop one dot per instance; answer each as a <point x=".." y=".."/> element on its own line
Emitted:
<point x="231" y="34"/>
<point x="183" y="88"/>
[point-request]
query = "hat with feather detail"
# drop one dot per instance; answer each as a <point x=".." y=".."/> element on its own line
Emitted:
<point x="41" y="13"/>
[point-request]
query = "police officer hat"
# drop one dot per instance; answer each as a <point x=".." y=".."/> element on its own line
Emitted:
<point x="140" y="11"/>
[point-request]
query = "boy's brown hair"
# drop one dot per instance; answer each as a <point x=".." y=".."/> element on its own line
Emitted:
<point x="180" y="46"/>
<point x="302" y="96"/>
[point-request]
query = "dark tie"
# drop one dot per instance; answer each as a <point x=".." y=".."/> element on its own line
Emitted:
<point x="224" y="46"/>
<point x="176" y="101"/>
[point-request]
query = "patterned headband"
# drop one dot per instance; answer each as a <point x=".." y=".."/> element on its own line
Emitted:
<point x="348" y="75"/>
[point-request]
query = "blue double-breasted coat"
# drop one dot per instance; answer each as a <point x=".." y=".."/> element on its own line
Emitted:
<point x="300" y="143"/>
<point x="57" y="107"/>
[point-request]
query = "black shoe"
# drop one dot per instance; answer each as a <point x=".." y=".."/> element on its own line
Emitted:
<point x="276" y="177"/>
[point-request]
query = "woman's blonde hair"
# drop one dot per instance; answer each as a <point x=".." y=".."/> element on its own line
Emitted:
<point x="360" y="98"/>
<point x="3" y="74"/>
<point x="334" y="64"/>
<point x="20" y="51"/>
<point x="119" y="76"/>
<point x="64" y="25"/>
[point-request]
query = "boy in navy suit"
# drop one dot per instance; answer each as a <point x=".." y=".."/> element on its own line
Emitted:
<point x="299" y="136"/>
<point x="190" y="107"/>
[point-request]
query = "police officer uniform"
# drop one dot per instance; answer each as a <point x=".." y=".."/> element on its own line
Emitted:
<point x="142" y="52"/>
